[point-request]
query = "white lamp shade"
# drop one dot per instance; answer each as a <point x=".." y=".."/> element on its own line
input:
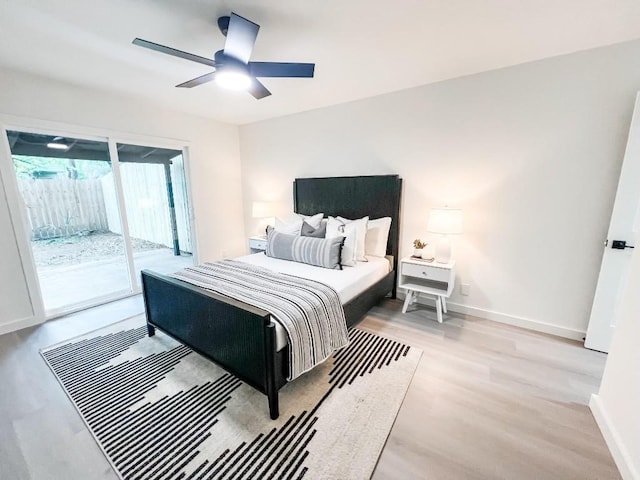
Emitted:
<point x="263" y="210"/>
<point x="446" y="221"/>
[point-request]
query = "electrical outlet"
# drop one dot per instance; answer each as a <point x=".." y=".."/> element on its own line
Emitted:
<point x="464" y="289"/>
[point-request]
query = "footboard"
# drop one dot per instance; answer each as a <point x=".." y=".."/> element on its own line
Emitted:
<point x="237" y="336"/>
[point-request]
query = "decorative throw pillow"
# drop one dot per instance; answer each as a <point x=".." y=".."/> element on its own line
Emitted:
<point x="308" y="231"/>
<point x="321" y="252"/>
<point x="293" y="224"/>
<point x="313" y="220"/>
<point x="336" y="228"/>
<point x="377" y="236"/>
<point x="361" y="233"/>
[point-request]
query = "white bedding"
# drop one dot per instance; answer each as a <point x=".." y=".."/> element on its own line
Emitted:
<point x="348" y="282"/>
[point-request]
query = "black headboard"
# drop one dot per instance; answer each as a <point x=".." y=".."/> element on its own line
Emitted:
<point x="353" y="197"/>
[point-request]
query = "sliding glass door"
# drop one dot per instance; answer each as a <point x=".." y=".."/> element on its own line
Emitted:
<point x="98" y="212"/>
<point x="155" y="199"/>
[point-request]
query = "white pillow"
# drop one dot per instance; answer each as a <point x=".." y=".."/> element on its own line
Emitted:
<point x="293" y="224"/>
<point x="290" y="226"/>
<point x="336" y="228"/>
<point x="361" y="233"/>
<point x="377" y="236"/>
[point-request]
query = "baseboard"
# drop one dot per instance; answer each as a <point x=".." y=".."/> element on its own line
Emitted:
<point x="612" y="438"/>
<point x="514" y="320"/>
<point x="19" y="324"/>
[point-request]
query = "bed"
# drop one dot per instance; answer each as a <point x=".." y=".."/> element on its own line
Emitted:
<point x="243" y="339"/>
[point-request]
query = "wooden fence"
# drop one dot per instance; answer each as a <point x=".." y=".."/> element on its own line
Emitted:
<point x="60" y="207"/>
<point x="144" y="187"/>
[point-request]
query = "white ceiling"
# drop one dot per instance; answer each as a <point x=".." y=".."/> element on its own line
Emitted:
<point x="361" y="48"/>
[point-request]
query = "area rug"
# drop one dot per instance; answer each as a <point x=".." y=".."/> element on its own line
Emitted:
<point x="160" y="411"/>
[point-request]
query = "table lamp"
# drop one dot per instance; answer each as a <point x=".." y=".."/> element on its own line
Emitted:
<point x="445" y="222"/>
<point x="265" y="211"/>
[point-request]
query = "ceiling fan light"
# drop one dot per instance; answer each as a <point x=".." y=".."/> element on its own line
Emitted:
<point x="233" y="80"/>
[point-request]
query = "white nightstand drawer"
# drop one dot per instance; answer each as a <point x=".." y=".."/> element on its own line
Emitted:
<point x="258" y="244"/>
<point x="426" y="272"/>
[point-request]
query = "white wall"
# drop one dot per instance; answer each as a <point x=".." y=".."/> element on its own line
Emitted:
<point x="531" y="153"/>
<point x="616" y="404"/>
<point x="213" y="155"/>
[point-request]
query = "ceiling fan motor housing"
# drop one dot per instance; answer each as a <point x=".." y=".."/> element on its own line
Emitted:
<point x="226" y="62"/>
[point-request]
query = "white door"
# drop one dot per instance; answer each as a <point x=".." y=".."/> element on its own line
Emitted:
<point x="618" y="246"/>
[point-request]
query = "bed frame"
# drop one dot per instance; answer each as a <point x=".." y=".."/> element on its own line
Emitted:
<point x="241" y="338"/>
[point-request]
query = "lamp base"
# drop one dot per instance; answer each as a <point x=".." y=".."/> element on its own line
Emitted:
<point x="443" y="250"/>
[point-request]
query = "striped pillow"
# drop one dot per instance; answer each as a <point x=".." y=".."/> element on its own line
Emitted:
<point x="321" y="252"/>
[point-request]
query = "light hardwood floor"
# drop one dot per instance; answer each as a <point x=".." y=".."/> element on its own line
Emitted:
<point x="488" y="401"/>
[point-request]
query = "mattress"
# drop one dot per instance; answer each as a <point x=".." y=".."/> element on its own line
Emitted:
<point x="348" y="282"/>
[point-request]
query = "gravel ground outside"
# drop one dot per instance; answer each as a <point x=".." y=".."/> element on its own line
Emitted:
<point x="85" y="248"/>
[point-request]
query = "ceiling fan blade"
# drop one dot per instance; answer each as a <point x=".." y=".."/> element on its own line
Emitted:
<point x="258" y="90"/>
<point x="241" y="37"/>
<point x="282" y="69"/>
<point x="198" y="81"/>
<point x="173" y="52"/>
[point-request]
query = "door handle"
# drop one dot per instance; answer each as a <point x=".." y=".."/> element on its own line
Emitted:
<point x="620" y="245"/>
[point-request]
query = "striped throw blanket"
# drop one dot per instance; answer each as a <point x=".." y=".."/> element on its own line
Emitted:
<point x="309" y="311"/>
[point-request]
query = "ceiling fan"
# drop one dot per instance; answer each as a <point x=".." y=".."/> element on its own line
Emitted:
<point x="232" y="66"/>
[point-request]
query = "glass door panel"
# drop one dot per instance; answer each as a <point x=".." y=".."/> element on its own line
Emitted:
<point x="155" y="199"/>
<point x="68" y="189"/>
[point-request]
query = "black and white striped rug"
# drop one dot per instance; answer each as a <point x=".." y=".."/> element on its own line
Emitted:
<point x="160" y="411"/>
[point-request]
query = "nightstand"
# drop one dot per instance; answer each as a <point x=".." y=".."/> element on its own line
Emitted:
<point x="429" y="278"/>
<point x="257" y="244"/>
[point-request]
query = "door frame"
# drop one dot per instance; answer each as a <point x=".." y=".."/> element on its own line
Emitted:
<point x="19" y="217"/>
